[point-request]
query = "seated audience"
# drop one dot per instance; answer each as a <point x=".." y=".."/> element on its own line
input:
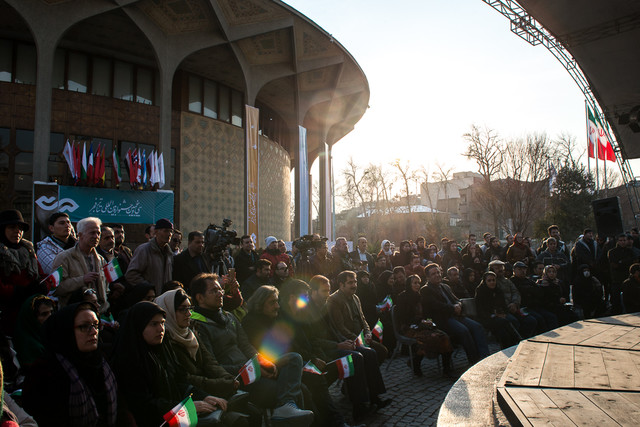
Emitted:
<point x="492" y="311"/>
<point x="28" y="337"/>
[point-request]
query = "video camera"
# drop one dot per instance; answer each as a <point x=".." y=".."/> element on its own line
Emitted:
<point x="217" y="239"/>
<point x="307" y="245"/>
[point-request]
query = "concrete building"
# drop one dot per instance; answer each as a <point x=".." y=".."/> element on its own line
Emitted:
<point x="175" y="76"/>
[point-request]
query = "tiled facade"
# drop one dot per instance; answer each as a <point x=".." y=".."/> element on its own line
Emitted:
<point x="212" y="185"/>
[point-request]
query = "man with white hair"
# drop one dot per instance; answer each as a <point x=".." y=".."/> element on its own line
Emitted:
<point x="82" y="265"/>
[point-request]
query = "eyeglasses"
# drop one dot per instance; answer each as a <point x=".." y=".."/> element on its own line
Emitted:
<point x="86" y="328"/>
<point x="89" y="291"/>
<point x="185" y="308"/>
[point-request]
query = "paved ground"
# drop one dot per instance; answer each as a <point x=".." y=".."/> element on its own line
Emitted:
<point x="416" y="400"/>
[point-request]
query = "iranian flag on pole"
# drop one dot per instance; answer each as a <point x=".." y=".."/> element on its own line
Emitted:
<point x="345" y="367"/>
<point x="183" y="415"/>
<point x="312" y="368"/>
<point x="250" y="372"/>
<point x="377" y="330"/>
<point x="112" y="271"/>
<point x="53" y="280"/>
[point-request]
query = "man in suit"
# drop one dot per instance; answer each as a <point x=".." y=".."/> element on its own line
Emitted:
<point x="361" y="254"/>
<point x="188" y="264"/>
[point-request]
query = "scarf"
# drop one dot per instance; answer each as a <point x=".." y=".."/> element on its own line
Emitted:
<point x="389" y="252"/>
<point x="182" y="336"/>
<point x="82" y="406"/>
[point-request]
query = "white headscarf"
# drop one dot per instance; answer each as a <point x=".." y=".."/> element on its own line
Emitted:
<point x="389" y="252"/>
<point x="183" y="336"/>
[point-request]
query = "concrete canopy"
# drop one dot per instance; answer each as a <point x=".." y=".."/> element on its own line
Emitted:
<point x="602" y="36"/>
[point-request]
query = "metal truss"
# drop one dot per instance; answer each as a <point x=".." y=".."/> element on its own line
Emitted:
<point x="527" y="28"/>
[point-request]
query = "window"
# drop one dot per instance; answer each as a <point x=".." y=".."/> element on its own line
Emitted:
<point x="210" y="99"/>
<point x="236" y="108"/>
<point x="57" y="77"/>
<point x="26" y="64"/>
<point x="216" y="101"/>
<point x="101" y="82"/>
<point x="225" y="107"/>
<point x="6" y="59"/>
<point x="195" y="92"/>
<point x="144" y="86"/>
<point x="77" y="72"/>
<point x="123" y="81"/>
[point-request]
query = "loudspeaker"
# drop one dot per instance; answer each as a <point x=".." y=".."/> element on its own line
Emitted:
<point x="608" y="216"/>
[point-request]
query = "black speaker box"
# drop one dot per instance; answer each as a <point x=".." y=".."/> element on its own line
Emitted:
<point x="608" y="216"/>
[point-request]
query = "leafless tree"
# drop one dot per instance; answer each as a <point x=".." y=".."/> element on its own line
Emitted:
<point x="354" y="191"/>
<point x="407" y="176"/>
<point x="485" y="148"/>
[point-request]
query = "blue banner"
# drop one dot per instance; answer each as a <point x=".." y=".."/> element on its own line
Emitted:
<point x="120" y="206"/>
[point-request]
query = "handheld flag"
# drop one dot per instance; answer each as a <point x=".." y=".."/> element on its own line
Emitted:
<point x="312" y="368"/>
<point x="377" y="330"/>
<point x="53" y="280"/>
<point x="183" y="415"/>
<point x="345" y="367"/>
<point x="361" y="341"/>
<point x="250" y="372"/>
<point x="385" y="305"/>
<point x="112" y="271"/>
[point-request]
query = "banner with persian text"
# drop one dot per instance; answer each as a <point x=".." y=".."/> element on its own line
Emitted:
<point x="252" y="171"/>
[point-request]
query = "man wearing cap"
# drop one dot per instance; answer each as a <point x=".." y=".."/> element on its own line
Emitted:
<point x="60" y="239"/>
<point x="152" y="261"/>
<point x="82" y="265"/>
<point x="274" y="256"/>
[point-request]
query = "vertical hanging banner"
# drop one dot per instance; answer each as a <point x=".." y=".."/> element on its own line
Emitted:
<point x="325" y="176"/>
<point x="252" y="170"/>
<point x="303" y="176"/>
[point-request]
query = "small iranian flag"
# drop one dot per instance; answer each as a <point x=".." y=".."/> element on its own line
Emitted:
<point x="53" y="280"/>
<point x="250" y="372"/>
<point x="377" y="330"/>
<point x="385" y="305"/>
<point x="361" y="341"/>
<point x="345" y="367"/>
<point x="312" y="368"/>
<point x="183" y="415"/>
<point x="112" y="271"/>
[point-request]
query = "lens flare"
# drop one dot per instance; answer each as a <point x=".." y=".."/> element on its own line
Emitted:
<point x="276" y="342"/>
<point x="302" y="301"/>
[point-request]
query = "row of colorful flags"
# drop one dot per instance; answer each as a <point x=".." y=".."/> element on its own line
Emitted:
<point x="598" y="138"/>
<point x="87" y="167"/>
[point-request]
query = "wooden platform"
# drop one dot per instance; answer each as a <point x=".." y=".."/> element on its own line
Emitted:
<point x="585" y="373"/>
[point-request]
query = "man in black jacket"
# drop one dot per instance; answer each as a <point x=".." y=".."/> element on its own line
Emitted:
<point x="246" y="259"/>
<point x="440" y="304"/>
<point x="188" y="264"/>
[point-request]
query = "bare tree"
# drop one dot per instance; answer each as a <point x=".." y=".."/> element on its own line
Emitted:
<point x="485" y="148"/>
<point x="406" y="176"/>
<point x="442" y="176"/>
<point x="567" y="151"/>
<point x="354" y="191"/>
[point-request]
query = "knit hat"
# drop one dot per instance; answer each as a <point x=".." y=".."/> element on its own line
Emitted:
<point x="270" y="240"/>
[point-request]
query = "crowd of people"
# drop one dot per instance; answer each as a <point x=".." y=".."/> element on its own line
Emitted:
<point x="94" y="349"/>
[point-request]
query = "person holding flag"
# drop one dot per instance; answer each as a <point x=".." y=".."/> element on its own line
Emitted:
<point x="412" y="323"/>
<point x="223" y="336"/>
<point x="148" y="378"/>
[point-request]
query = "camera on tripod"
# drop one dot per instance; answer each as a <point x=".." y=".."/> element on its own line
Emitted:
<point x="307" y="245"/>
<point x="217" y="239"/>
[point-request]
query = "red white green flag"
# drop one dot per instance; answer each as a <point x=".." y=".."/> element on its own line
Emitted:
<point x="377" y="330"/>
<point x="345" y="367"/>
<point x="115" y="163"/>
<point x="312" y="368"/>
<point x="183" y="415"/>
<point x="250" y="372"/>
<point x="53" y="280"/>
<point x="112" y="271"/>
<point x="385" y="305"/>
<point x="361" y="340"/>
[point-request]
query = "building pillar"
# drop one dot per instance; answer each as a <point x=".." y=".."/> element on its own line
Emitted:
<point x="42" y="127"/>
<point x="302" y="226"/>
<point x="326" y="185"/>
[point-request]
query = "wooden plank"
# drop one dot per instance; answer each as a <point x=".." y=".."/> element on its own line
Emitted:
<point x="558" y="370"/>
<point x="624" y="411"/>
<point x="632" y="319"/>
<point x="580" y="410"/>
<point x="589" y="368"/>
<point x="573" y="334"/>
<point x="510" y="408"/>
<point x="628" y="341"/>
<point x="526" y="365"/>
<point x="622" y="369"/>
<point x="607" y="337"/>
<point x="538" y="408"/>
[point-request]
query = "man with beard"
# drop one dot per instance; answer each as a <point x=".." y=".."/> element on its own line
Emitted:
<point x="188" y="264"/>
<point x="281" y="276"/>
<point x="257" y="279"/>
<point x="123" y="253"/>
<point x="153" y="261"/>
<point x="60" y="239"/>
<point x="246" y="259"/>
<point x="341" y="258"/>
<point x="274" y="255"/>
<point x="322" y="261"/>
<point x="107" y="243"/>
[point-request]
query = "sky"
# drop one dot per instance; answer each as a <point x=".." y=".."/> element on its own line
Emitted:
<point x="434" y="68"/>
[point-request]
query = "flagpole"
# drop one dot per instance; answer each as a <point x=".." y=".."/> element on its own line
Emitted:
<point x="586" y="116"/>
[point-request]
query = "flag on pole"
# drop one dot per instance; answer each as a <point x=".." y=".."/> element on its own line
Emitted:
<point x="77" y="161"/>
<point x="312" y="368"/>
<point x="112" y="271"/>
<point x="90" y="172"/>
<point x="607" y="147"/>
<point x="183" y="415"/>
<point x="377" y="330"/>
<point x="53" y="280"/>
<point x="385" y="305"/>
<point x="101" y="177"/>
<point x="250" y="372"/>
<point x="83" y="176"/>
<point x="115" y="164"/>
<point x="161" y="170"/>
<point x="345" y="367"/>
<point x="143" y="165"/>
<point x="68" y="156"/>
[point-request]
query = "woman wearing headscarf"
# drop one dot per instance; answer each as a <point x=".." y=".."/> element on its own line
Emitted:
<point x="555" y="296"/>
<point x="385" y="250"/>
<point x="201" y="369"/>
<point x="28" y="338"/>
<point x="492" y="311"/>
<point x="469" y="279"/>
<point x="149" y="380"/>
<point x="368" y="297"/>
<point x="72" y="385"/>
<point x="20" y="273"/>
<point x="412" y="323"/>
<point x="519" y="251"/>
